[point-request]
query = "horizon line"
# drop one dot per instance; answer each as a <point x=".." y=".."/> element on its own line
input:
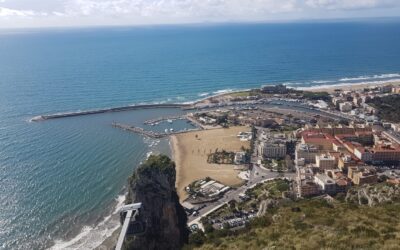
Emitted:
<point x="204" y="24"/>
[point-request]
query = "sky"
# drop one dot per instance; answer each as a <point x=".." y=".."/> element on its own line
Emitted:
<point x="66" y="13"/>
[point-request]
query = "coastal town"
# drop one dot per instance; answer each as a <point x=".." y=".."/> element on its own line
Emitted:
<point x="290" y="146"/>
<point x="200" y="124"/>
<point x="245" y="154"/>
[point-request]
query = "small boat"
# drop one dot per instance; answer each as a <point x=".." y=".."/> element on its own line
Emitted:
<point x="169" y="121"/>
<point x="166" y="130"/>
<point x="171" y="129"/>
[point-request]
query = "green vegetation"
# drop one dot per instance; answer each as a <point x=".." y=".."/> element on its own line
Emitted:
<point x="227" y="157"/>
<point x="317" y="96"/>
<point x="221" y="157"/>
<point x="314" y="224"/>
<point x="270" y="189"/>
<point x="305" y="224"/>
<point x="388" y="107"/>
<point x="253" y="92"/>
<point x="161" y="163"/>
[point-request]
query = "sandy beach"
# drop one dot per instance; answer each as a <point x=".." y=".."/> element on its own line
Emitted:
<point x="190" y="155"/>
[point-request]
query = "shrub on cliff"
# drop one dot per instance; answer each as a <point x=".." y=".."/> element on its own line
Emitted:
<point x="153" y="184"/>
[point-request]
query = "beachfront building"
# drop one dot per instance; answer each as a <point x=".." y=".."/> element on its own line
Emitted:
<point x="213" y="188"/>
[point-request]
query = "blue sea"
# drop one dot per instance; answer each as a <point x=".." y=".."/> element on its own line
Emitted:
<point x="61" y="180"/>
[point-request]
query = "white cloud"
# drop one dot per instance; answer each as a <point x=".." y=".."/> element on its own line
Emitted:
<point x="181" y="8"/>
<point x="351" y="4"/>
<point x="7" y="13"/>
<point x="122" y="12"/>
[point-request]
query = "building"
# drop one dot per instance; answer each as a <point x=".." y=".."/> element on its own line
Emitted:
<point x="396" y="90"/>
<point x="361" y="175"/>
<point x="213" y="188"/>
<point x="345" y="106"/>
<point x="396" y="127"/>
<point x="307" y="188"/>
<point x="240" y="157"/>
<point x="327" y="184"/>
<point x="275" y="89"/>
<point x="272" y="150"/>
<point x="325" y="162"/>
<point x="363" y="154"/>
<point x="306" y="152"/>
<point x="322" y="141"/>
<point x="291" y="147"/>
<point x="386" y="88"/>
<point x="343" y="183"/>
<point x="385" y="153"/>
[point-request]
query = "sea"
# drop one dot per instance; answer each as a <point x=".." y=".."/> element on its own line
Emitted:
<point x="62" y="180"/>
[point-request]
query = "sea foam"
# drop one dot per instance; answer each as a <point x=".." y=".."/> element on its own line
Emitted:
<point x="91" y="237"/>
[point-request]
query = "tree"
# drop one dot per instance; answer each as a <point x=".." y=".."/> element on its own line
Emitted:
<point x="197" y="238"/>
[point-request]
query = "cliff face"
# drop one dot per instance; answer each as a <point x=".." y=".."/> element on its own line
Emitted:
<point x="153" y="184"/>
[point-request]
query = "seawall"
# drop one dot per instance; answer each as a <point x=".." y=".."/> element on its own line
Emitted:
<point x="106" y="110"/>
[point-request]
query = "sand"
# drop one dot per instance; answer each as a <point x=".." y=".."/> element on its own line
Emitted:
<point x="190" y="155"/>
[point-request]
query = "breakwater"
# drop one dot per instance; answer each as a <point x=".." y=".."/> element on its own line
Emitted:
<point x="106" y="110"/>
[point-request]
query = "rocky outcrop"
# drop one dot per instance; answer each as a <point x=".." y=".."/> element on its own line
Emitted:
<point x="153" y="184"/>
<point x="373" y="195"/>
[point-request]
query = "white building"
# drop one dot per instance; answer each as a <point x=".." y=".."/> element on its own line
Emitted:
<point x="325" y="162"/>
<point x="326" y="183"/>
<point x="240" y="157"/>
<point x="273" y="150"/>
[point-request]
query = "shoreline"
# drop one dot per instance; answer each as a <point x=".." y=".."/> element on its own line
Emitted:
<point x="316" y="88"/>
<point x="174" y="144"/>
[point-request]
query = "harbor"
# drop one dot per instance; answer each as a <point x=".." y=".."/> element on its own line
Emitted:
<point x="148" y="133"/>
<point x="169" y="119"/>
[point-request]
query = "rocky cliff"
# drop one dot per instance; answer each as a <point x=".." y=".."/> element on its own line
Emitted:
<point x="153" y="184"/>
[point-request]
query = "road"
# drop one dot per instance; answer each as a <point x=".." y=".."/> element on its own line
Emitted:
<point x="257" y="175"/>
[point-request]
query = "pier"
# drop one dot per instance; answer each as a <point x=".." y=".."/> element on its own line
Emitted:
<point x="147" y="133"/>
<point x="164" y="118"/>
<point x="106" y="110"/>
<point x="140" y="131"/>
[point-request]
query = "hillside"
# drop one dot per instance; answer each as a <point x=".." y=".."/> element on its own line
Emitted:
<point x="312" y="224"/>
<point x="388" y="107"/>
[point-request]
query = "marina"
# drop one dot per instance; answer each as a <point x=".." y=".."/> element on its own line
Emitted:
<point x="169" y="119"/>
<point x="147" y="133"/>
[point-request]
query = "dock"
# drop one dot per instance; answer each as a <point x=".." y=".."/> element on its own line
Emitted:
<point x="164" y="118"/>
<point x="147" y="133"/>
<point x="139" y="130"/>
